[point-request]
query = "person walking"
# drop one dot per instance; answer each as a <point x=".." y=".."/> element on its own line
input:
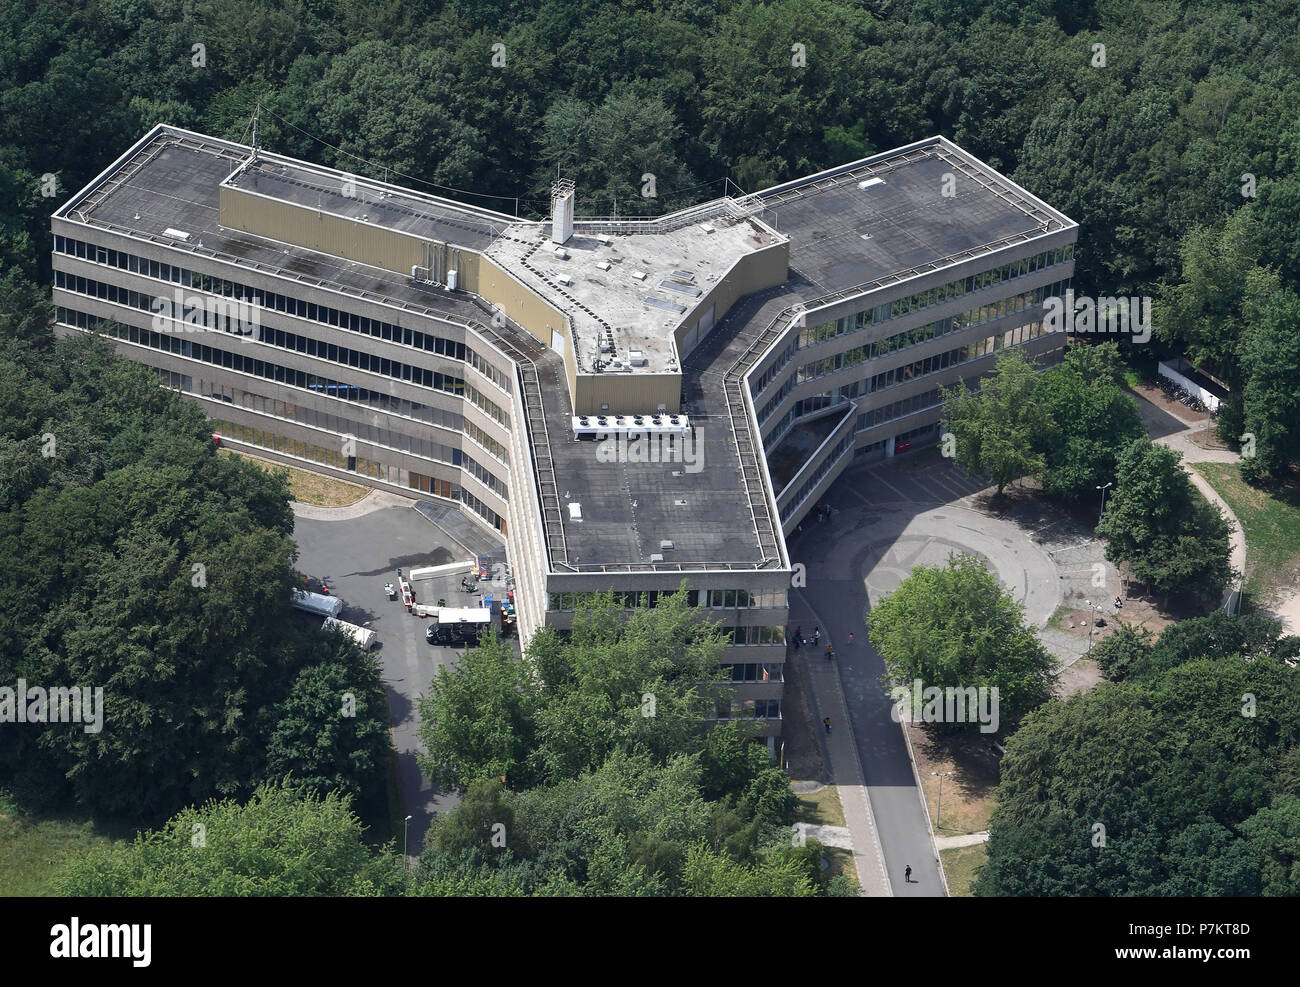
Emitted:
<point x="850" y="637"/>
<point x="817" y="635"/>
<point x="827" y="721"/>
<point x="798" y="637"/>
<point x="907" y="874"/>
<point x="829" y="653"/>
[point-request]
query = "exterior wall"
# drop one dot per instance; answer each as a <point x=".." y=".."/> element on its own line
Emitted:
<point x="765" y="268"/>
<point x="625" y="393"/>
<point x="326" y="232"/>
<point x="773" y="656"/>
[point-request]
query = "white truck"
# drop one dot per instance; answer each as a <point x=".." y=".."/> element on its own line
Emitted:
<point x="317" y="603"/>
<point x="364" y="636"/>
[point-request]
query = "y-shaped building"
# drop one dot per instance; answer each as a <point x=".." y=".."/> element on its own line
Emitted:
<point x="625" y="403"/>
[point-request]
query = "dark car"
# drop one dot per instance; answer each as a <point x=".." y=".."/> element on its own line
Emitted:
<point x="452" y="635"/>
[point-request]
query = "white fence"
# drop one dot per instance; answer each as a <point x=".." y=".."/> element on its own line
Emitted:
<point x="1208" y="398"/>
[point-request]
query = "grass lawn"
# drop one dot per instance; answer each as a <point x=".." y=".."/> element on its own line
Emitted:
<point x="841" y="862"/>
<point x="959" y="866"/>
<point x="968" y="791"/>
<point x="311" y="488"/>
<point x="1271" y="524"/>
<point x="33" y="847"/>
<point x="821" y="808"/>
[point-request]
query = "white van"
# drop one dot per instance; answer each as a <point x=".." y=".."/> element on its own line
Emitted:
<point x="364" y="636"/>
<point x="317" y="603"/>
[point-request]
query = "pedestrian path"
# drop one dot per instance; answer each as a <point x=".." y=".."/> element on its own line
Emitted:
<point x="952" y="842"/>
<point x="840" y="755"/>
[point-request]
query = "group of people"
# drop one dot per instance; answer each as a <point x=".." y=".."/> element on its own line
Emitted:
<point x="800" y="640"/>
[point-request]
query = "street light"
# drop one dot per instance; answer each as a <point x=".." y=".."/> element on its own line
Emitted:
<point x="938" y="809"/>
<point x="1103" y="500"/>
<point x="1092" y="621"/>
<point x="405" y="824"/>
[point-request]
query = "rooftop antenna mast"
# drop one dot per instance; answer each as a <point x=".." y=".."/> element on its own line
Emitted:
<point x="256" y="147"/>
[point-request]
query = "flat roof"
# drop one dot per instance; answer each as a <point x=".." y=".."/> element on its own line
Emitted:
<point x="637" y="287"/>
<point x="379" y="204"/>
<point x="171" y="179"/>
<point x="920" y="205"/>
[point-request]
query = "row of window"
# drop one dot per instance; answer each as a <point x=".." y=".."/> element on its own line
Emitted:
<point x="746" y="636"/>
<point x="760" y="709"/>
<point x="899" y="409"/>
<point x="273" y="301"/>
<point x="432" y="485"/>
<point x="715" y="599"/>
<point x="386" y="403"/>
<point x="936" y="295"/>
<point x="974" y="350"/>
<point x="180" y="346"/>
<point x="487" y="442"/>
<point x="298" y="448"/>
<point x="933" y="330"/>
<point x="482" y="510"/>
<point x="415" y="445"/>
<point x="902" y="306"/>
<point x="756" y="671"/>
<point x="309" y="345"/>
<point x="485" y="476"/>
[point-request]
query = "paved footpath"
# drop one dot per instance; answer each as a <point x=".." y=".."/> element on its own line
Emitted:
<point x="840" y="754"/>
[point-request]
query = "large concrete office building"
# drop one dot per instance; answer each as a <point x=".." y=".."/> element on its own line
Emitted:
<point x="449" y="353"/>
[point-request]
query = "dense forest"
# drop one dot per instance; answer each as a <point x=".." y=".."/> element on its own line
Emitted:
<point x="134" y="557"/>
<point x="1179" y="777"/>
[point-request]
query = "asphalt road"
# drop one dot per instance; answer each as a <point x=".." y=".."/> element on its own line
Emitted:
<point x="355" y="557"/>
<point x="839" y="554"/>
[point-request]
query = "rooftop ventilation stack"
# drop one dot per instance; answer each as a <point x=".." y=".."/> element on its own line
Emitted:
<point x="562" y="193"/>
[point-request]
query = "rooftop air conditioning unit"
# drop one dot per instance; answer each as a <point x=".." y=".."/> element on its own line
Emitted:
<point x="604" y="265"/>
<point x="561" y="253"/>
<point x="636" y="358"/>
<point x="656" y="557"/>
<point x="603" y="240"/>
<point x="575" y="511"/>
<point x="565" y="280"/>
<point x="639" y="275"/>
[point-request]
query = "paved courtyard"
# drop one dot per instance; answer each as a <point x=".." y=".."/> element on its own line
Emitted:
<point x="886" y="519"/>
<point x="355" y="550"/>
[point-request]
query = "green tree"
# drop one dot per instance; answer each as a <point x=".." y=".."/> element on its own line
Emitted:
<point x="1155" y="522"/>
<point x="954" y="626"/>
<point x="478" y="720"/>
<point x="1270" y="362"/>
<point x="1088" y="418"/>
<point x="282" y="843"/>
<point x="995" y="429"/>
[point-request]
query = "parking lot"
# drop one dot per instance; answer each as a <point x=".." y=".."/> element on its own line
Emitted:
<point x="355" y="551"/>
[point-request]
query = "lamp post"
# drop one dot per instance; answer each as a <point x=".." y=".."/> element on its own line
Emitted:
<point x="1103" y="500"/>
<point x="1092" y="620"/>
<point x="405" y="825"/>
<point x="938" y="809"/>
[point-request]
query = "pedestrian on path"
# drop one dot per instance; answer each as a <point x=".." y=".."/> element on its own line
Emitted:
<point x="907" y="874"/>
<point x="829" y="653"/>
<point x="827" y="721"/>
<point x="850" y="637"/>
<point x="817" y="635"/>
